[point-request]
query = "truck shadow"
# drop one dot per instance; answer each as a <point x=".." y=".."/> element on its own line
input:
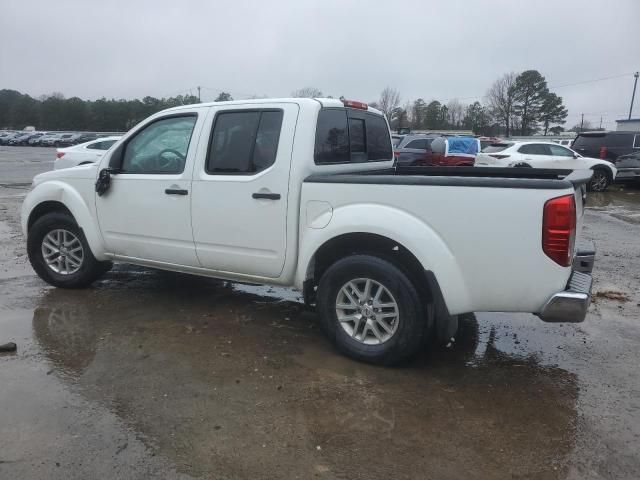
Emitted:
<point x="241" y="383"/>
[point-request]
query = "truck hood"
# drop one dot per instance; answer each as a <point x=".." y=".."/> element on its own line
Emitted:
<point x="87" y="171"/>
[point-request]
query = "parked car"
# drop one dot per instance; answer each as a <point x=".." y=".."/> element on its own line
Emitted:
<point x="628" y="167"/>
<point x="35" y="138"/>
<point x="64" y="139"/>
<point x="85" y="137"/>
<point x="413" y="150"/>
<point x="300" y="192"/>
<point x="606" y="145"/>
<point x="20" y="139"/>
<point x="454" y="151"/>
<point x="547" y="155"/>
<point x="4" y="140"/>
<point x="396" y="139"/>
<point x="48" y="139"/>
<point x="89" y="152"/>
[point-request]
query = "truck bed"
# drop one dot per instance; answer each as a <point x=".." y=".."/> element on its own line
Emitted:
<point x="496" y="177"/>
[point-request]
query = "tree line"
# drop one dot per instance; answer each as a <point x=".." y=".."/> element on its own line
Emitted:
<point x="515" y="104"/>
<point x="55" y="112"/>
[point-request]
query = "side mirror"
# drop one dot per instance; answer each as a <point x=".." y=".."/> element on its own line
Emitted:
<point x="575" y="155"/>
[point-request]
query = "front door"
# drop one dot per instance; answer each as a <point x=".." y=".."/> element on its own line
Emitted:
<point x="146" y="213"/>
<point x="240" y="190"/>
<point x="564" y="158"/>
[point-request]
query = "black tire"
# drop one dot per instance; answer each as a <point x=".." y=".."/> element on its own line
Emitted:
<point x="599" y="181"/>
<point x="412" y="325"/>
<point x="90" y="269"/>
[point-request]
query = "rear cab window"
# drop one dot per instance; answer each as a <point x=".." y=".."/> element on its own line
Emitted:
<point x="346" y="135"/>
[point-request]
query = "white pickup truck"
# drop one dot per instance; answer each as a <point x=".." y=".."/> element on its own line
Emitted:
<point x="304" y="193"/>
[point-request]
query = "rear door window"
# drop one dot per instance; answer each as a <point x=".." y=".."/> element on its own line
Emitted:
<point x="535" y="149"/>
<point x="344" y="136"/>
<point x="636" y="141"/>
<point x="244" y="142"/>
<point x="420" y="144"/>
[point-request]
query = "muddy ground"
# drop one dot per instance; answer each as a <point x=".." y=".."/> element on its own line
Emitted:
<point x="153" y="374"/>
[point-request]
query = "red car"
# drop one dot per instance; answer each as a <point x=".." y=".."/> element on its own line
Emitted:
<point x="454" y="151"/>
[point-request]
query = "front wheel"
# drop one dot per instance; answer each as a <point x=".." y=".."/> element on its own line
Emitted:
<point x="599" y="181"/>
<point x="371" y="310"/>
<point x="59" y="252"/>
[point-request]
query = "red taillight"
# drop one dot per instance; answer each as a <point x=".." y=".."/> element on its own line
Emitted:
<point x="354" y="104"/>
<point x="498" y="156"/>
<point x="603" y="153"/>
<point x="396" y="154"/>
<point x="59" y="154"/>
<point x="559" y="229"/>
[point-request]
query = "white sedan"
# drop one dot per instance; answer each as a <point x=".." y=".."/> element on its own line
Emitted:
<point x="89" y="152"/>
<point x="546" y="155"/>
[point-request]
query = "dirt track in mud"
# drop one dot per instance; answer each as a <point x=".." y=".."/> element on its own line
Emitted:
<point x="157" y="374"/>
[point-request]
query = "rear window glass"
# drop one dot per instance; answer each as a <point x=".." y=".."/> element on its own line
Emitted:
<point x="619" y="140"/>
<point x="378" y="144"/>
<point x="496" y="147"/>
<point x="589" y="141"/>
<point x="636" y="141"/>
<point x="421" y="143"/>
<point x="354" y="137"/>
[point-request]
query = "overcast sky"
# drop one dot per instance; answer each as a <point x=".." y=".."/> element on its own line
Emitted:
<point x="434" y="50"/>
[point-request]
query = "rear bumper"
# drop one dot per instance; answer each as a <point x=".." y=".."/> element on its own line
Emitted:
<point x="571" y="304"/>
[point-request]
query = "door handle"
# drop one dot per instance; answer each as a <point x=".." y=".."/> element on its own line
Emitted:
<point x="268" y="196"/>
<point x="176" y="191"/>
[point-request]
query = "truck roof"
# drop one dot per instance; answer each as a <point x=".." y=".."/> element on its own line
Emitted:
<point x="324" y="102"/>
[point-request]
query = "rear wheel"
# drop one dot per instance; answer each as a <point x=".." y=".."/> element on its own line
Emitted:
<point x="59" y="252"/>
<point x="599" y="181"/>
<point x="371" y="310"/>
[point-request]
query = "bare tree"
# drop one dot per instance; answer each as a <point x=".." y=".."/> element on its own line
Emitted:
<point x="307" y="92"/>
<point x="501" y="99"/>
<point x="455" y="112"/>
<point x="389" y="100"/>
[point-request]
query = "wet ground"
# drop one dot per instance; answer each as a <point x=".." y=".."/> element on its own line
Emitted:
<point x="153" y="374"/>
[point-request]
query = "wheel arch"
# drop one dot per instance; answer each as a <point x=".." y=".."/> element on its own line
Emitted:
<point x="59" y="197"/>
<point x="393" y="234"/>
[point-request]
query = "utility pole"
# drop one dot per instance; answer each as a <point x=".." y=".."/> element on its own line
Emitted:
<point x="600" y="123"/>
<point x="633" y="95"/>
<point x="581" y="121"/>
<point x="199" y="95"/>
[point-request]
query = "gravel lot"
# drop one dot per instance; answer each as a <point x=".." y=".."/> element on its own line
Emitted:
<point x="154" y="374"/>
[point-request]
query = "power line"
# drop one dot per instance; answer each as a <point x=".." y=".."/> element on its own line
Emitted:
<point x="553" y="86"/>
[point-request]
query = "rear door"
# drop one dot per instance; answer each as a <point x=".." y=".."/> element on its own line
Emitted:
<point x="537" y="155"/>
<point x="240" y="190"/>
